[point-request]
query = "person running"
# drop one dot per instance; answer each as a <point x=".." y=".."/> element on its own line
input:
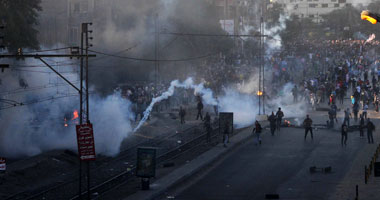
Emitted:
<point x="279" y="116"/>
<point x="370" y="128"/>
<point x="257" y="131"/>
<point x="344" y="134"/>
<point x="307" y="123"/>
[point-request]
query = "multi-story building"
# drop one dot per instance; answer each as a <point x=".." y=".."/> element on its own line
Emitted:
<point x="313" y="8"/>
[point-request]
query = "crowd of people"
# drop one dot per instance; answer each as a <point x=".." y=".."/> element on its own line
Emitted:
<point x="325" y="72"/>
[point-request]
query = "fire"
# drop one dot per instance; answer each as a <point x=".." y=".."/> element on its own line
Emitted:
<point x="259" y="93"/>
<point x="75" y="115"/>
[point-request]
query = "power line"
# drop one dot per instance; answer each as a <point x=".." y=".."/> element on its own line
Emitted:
<point x="21" y="90"/>
<point x="38" y="101"/>
<point x="213" y="35"/>
<point x="155" y="60"/>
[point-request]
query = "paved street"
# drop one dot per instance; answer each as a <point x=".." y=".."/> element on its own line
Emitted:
<point x="280" y="165"/>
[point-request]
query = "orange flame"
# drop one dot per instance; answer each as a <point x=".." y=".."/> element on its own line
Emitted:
<point x="75" y="115"/>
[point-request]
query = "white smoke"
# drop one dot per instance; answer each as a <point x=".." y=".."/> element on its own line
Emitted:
<point x="244" y="107"/>
<point x="39" y="127"/>
<point x="274" y="42"/>
<point x="199" y="89"/>
<point x="285" y="101"/>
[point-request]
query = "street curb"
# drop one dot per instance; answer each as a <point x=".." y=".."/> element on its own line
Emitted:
<point x="184" y="172"/>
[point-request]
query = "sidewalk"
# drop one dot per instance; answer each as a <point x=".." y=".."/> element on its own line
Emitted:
<point x="161" y="185"/>
<point x="345" y="190"/>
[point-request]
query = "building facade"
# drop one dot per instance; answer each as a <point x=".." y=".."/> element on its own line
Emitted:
<point x="313" y="9"/>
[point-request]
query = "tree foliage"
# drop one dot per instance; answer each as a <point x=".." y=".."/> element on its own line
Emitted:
<point x="20" y="18"/>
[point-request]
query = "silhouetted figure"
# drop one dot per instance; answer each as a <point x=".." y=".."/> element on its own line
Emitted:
<point x="257" y="131"/>
<point x="279" y="116"/>
<point x="199" y="108"/>
<point x="182" y="114"/>
<point x="307" y="125"/>
<point x="344" y="134"/>
<point x="272" y="123"/>
<point x="370" y="128"/>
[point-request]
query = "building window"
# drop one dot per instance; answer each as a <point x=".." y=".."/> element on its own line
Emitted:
<point x="348" y="4"/>
<point x="333" y="0"/>
<point x="313" y="5"/>
<point x="325" y="5"/>
<point x="342" y="1"/>
<point x="336" y="5"/>
<point x="311" y="16"/>
<point x="84" y="6"/>
<point x="76" y="8"/>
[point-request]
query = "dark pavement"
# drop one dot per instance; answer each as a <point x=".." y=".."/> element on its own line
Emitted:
<point x="280" y="165"/>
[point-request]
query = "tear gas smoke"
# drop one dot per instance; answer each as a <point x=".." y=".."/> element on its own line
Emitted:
<point x="275" y="42"/>
<point x="32" y="129"/>
<point x="199" y="89"/>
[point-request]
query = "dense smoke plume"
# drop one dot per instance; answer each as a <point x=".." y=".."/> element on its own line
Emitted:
<point x="31" y="129"/>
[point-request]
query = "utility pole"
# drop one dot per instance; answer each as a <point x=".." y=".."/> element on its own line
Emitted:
<point x="84" y="112"/>
<point x="263" y="50"/>
<point x="156" y="51"/>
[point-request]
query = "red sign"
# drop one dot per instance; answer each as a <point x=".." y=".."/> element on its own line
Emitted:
<point x="3" y="165"/>
<point x="86" y="144"/>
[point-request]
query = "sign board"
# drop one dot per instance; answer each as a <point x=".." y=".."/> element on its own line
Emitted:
<point x="3" y="165"/>
<point x="86" y="142"/>
<point x="377" y="169"/>
<point x="226" y="119"/>
<point x="146" y="162"/>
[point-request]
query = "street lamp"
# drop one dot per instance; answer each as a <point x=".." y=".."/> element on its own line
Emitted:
<point x="371" y="17"/>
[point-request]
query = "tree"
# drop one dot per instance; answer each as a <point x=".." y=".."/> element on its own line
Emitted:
<point x="20" y="18"/>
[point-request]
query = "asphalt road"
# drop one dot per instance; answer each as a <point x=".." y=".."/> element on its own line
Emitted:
<point x="280" y="166"/>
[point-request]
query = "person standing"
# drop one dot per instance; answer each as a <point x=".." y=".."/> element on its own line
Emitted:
<point x="182" y="114"/>
<point x="207" y="124"/>
<point x="365" y="109"/>
<point x="272" y="123"/>
<point x="307" y="123"/>
<point x="355" y="109"/>
<point x="279" y="116"/>
<point x="347" y="116"/>
<point x="361" y="126"/>
<point x="257" y="131"/>
<point x="199" y="108"/>
<point x="370" y="128"/>
<point x="344" y="134"/>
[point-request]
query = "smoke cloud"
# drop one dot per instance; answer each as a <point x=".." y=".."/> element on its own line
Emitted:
<point x="31" y="129"/>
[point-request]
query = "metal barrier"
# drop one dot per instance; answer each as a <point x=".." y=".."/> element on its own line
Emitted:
<point x="368" y="171"/>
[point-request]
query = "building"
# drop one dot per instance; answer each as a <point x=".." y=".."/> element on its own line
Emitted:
<point x="313" y="8"/>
